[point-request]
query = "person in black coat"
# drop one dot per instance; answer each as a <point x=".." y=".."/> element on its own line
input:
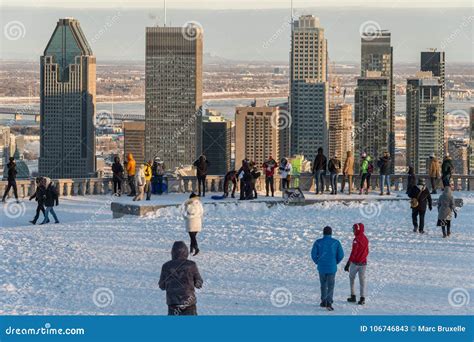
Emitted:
<point x="411" y="179"/>
<point x="117" y="178"/>
<point x="11" y="178"/>
<point x="385" y="167"/>
<point x="201" y="172"/>
<point x="51" y="199"/>
<point x="421" y="199"/>
<point x="245" y="180"/>
<point x="179" y="277"/>
<point x="319" y="170"/>
<point x="39" y="197"/>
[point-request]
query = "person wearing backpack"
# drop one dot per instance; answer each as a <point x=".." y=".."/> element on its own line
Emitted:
<point x="420" y="200"/>
<point x="51" y="198"/>
<point x="158" y="171"/>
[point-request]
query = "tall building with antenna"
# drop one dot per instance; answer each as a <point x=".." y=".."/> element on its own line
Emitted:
<point x="308" y="87"/>
<point x="173" y="93"/>
<point x="67" y="109"/>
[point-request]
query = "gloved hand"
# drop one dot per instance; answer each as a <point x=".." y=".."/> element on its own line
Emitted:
<point x="346" y="268"/>
<point x="455" y="214"/>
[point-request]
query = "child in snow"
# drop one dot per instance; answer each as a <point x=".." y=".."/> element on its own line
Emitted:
<point x="357" y="262"/>
<point x="327" y="253"/>
<point x="179" y="277"/>
<point x="193" y="212"/>
<point x="446" y="209"/>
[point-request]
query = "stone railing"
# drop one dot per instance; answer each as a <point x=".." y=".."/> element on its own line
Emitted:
<point x="102" y="186"/>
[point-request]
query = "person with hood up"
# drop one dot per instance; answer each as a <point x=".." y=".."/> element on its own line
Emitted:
<point x="447" y="170"/>
<point x="51" y="198"/>
<point x="285" y="173"/>
<point x="334" y="167"/>
<point x="326" y="254"/>
<point x="366" y="169"/>
<point x="434" y="172"/>
<point x="411" y="182"/>
<point x="131" y="169"/>
<point x="269" y="166"/>
<point x="230" y="177"/>
<point x="420" y="199"/>
<point x="446" y="209"/>
<point x="11" y="180"/>
<point x="245" y="178"/>
<point x="158" y="171"/>
<point x="117" y="178"/>
<point x="140" y="181"/>
<point x="148" y="175"/>
<point x="357" y="262"/>
<point x="348" y="172"/>
<point x="385" y="166"/>
<point x="193" y="212"/>
<point x="201" y="165"/>
<point x="39" y="197"/>
<point x="319" y="170"/>
<point x="179" y="278"/>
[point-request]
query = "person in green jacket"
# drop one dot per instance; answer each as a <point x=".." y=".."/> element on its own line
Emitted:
<point x="366" y="169"/>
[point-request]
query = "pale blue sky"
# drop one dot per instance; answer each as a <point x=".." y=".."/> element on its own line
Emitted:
<point x="237" y="4"/>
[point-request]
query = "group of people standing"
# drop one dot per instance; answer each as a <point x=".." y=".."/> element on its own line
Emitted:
<point x="146" y="178"/>
<point x="321" y="166"/>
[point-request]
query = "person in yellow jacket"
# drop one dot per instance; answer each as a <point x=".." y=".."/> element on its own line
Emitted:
<point x="131" y="165"/>
<point x="148" y="175"/>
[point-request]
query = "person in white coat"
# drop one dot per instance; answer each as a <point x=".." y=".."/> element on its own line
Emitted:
<point x="193" y="213"/>
<point x="140" y="182"/>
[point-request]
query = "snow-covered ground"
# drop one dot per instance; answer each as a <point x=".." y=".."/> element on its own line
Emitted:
<point x="254" y="259"/>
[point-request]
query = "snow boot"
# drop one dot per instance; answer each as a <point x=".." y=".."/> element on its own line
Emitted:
<point x="444" y="232"/>
<point x="415" y="230"/>
<point x="352" y="299"/>
<point x="449" y="231"/>
<point x="196" y="252"/>
<point x="388" y="193"/>
<point x="33" y="222"/>
<point x="323" y="304"/>
<point x="329" y="307"/>
<point x="361" y="301"/>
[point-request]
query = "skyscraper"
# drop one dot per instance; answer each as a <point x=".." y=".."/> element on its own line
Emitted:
<point x="216" y="143"/>
<point x="256" y="135"/>
<point x="377" y="59"/>
<point x="67" y="95"/>
<point x="173" y="94"/>
<point x="134" y="140"/>
<point x="424" y="120"/>
<point x="340" y="130"/>
<point x="471" y="141"/>
<point x="308" y="87"/>
<point x="372" y="120"/>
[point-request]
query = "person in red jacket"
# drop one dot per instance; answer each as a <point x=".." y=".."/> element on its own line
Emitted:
<point x="357" y="262"/>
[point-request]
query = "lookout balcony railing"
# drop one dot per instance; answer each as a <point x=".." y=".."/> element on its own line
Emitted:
<point x="104" y="186"/>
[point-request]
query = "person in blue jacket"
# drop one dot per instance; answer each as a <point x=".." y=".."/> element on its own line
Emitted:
<point x="327" y="253"/>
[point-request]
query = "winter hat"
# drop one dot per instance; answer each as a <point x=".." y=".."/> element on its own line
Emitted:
<point x="193" y="195"/>
<point x="327" y="230"/>
<point x="421" y="181"/>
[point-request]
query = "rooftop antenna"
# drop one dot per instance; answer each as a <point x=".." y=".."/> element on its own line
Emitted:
<point x="164" y="8"/>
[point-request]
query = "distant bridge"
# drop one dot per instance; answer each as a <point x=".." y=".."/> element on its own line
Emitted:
<point x="22" y="111"/>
